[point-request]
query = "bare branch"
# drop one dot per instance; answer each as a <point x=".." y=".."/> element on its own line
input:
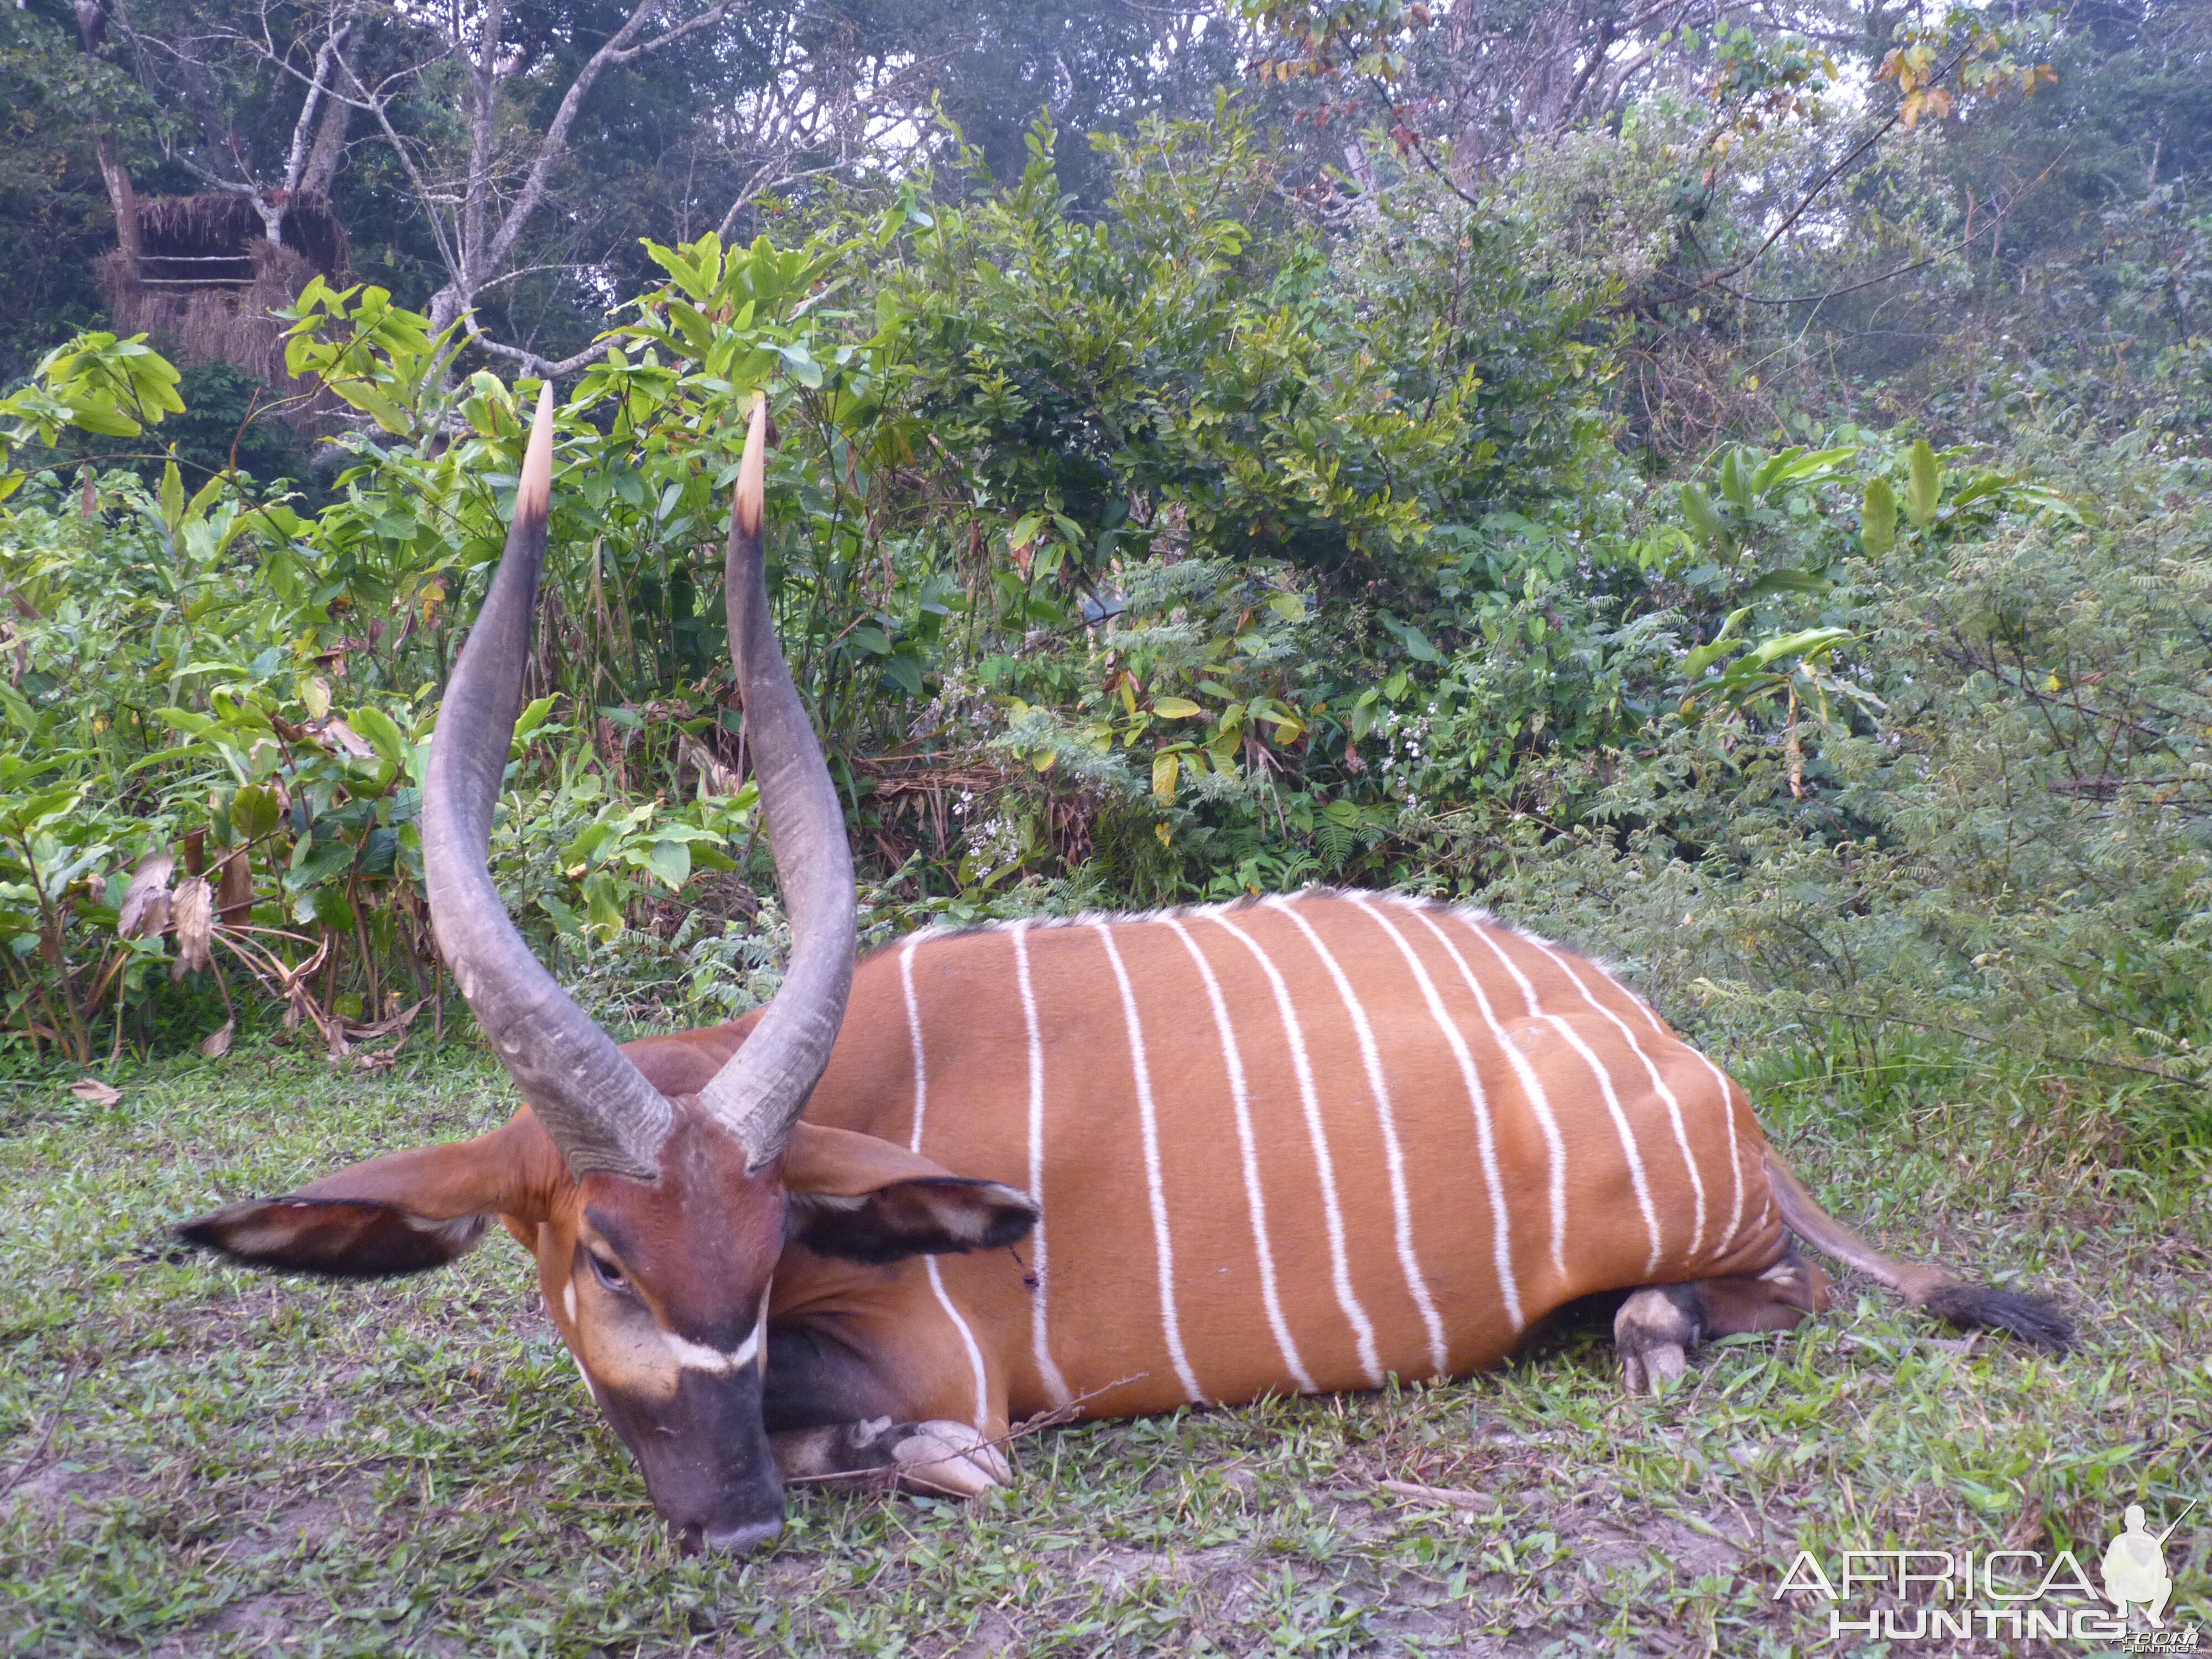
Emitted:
<point x="1821" y="185"/>
<point x="618" y="49"/>
<point x="295" y="162"/>
<point x="546" y="368"/>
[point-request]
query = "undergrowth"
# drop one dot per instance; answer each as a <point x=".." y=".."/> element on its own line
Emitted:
<point x="199" y="1461"/>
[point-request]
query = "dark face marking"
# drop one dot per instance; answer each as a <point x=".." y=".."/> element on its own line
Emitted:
<point x="660" y="1290"/>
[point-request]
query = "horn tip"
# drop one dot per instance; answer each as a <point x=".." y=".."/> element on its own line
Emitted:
<point x="750" y="501"/>
<point x="533" y="494"/>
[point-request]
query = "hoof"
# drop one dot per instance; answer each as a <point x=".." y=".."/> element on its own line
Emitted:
<point x="1654" y="1369"/>
<point x="948" y="1460"/>
<point x="1654" y="1330"/>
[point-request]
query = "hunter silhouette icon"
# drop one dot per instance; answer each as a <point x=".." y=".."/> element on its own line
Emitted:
<point x="2134" y="1566"/>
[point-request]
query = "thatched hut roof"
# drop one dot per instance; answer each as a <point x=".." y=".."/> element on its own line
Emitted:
<point x="184" y="229"/>
<point x="202" y="277"/>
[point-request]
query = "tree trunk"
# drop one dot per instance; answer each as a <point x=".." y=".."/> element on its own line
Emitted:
<point x="121" y="198"/>
<point x="329" y="147"/>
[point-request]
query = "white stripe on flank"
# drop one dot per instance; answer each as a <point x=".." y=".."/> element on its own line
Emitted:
<point x="1235" y="1061"/>
<point x="1055" y="1385"/>
<point x="1501" y="1243"/>
<point x="1727" y="1104"/>
<point x="1393" y="1154"/>
<point x="914" y="1036"/>
<point x="1659" y="1083"/>
<point x="913" y="1145"/>
<point x="967" y="1340"/>
<point x="1340" y="1269"/>
<point x="1621" y="1124"/>
<point x="1146" y="1119"/>
<point x="1531" y="1085"/>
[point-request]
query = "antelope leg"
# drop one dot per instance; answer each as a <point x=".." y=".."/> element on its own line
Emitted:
<point x="943" y="1458"/>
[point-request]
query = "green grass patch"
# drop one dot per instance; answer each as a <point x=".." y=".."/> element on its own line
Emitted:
<point x="197" y="1459"/>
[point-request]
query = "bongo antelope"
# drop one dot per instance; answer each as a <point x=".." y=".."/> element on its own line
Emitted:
<point x="1112" y="1166"/>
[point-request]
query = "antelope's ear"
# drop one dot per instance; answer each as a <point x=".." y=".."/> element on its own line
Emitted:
<point x="860" y="1199"/>
<point x="406" y="1213"/>
<point x="333" y="1237"/>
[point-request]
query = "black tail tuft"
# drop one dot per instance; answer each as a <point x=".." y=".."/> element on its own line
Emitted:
<point x="2029" y="1318"/>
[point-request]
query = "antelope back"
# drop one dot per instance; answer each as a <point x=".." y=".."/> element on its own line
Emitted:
<point x="1297" y="1145"/>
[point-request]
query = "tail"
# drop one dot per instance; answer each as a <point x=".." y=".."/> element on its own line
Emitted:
<point x="2029" y="1318"/>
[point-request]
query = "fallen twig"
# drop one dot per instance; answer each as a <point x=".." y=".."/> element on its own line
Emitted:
<point x="69" y="1386"/>
<point x="1458" y="1498"/>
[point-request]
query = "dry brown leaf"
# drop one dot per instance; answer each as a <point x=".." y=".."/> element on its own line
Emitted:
<point x="145" y="912"/>
<point x="216" y="1043"/>
<point x="233" y="898"/>
<point x="336" y="731"/>
<point x="94" y="1093"/>
<point x="193" y="909"/>
<point x="724" y="782"/>
<point x="399" y="1022"/>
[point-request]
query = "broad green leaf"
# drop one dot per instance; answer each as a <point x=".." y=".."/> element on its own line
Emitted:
<point x="600" y="901"/>
<point x="2044" y="500"/>
<point x="1176" y="708"/>
<point x="1705" y="524"/>
<point x="1989" y="483"/>
<point x="1167" y="766"/>
<point x="671" y="860"/>
<point x="185" y="721"/>
<point x="1878" y="517"/>
<point x="313" y="865"/>
<point x="254" y="812"/>
<point x="172" y="498"/>
<point x="108" y="422"/>
<point x="204" y="502"/>
<point x="1792" y="581"/>
<point x="801" y="361"/>
<point x="1713" y="649"/>
<point x="1810" y="643"/>
<point x="1734" y="484"/>
<point x="1795" y="466"/>
<point x="1922" y="493"/>
<point x="381" y="735"/>
<point x="1416" y="643"/>
<point x="329" y="906"/>
<point x="534" y="716"/>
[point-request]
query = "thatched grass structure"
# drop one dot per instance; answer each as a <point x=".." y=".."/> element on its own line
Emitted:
<point x="200" y="275"/>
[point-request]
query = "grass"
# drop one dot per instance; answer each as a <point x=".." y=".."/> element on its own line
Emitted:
<point x="198" y="1461"/>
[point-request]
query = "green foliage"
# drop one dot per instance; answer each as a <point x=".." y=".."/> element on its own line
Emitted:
<point x="55" y="102"/>
<point x="1982" y="810"/>
<point x="168" y="717"/>
<point x="443" y="1482"/>
<point x="1198" y="547"/>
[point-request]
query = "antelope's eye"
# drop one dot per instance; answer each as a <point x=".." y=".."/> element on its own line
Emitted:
<point x="607" y="1273"/>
